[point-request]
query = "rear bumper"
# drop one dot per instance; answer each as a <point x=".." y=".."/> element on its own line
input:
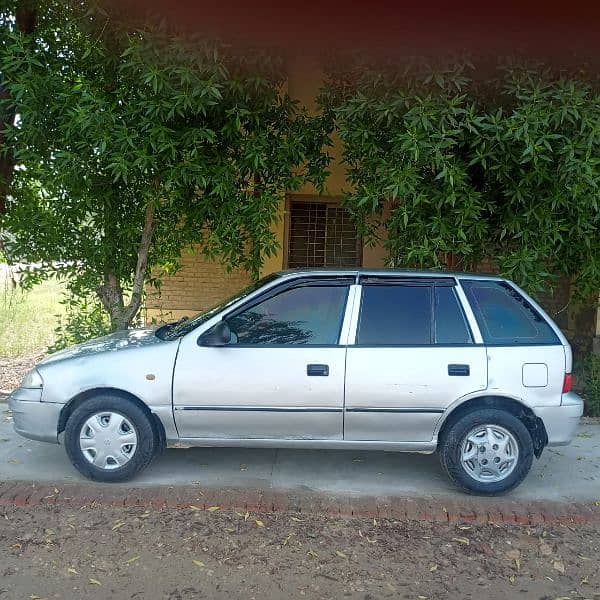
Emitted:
<point x="561" y="421"/>
<point x="32" y="418"/>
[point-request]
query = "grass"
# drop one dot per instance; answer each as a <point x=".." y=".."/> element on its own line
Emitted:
<point x="28" y="318"/>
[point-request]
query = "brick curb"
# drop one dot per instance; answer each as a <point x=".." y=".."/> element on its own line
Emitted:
<point x="462" y="509"/>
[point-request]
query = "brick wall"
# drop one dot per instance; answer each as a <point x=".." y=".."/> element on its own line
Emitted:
<point x="198" y="285"/>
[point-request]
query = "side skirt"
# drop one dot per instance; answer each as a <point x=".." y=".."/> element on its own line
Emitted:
<point x="296" y="444"/>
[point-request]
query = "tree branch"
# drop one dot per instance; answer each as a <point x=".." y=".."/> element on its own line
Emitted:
<point x="142" y="262"/>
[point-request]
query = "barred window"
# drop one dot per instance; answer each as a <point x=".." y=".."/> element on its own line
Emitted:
<point x="321" y="234"/>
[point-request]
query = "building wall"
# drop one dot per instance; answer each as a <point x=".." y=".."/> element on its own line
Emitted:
<point x="306" y="76"/>
<point x="199" y="285"/>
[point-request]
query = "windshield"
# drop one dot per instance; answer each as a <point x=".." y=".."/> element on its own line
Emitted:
<point x="181" y="327"/>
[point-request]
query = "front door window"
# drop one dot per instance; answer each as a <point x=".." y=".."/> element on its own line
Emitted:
<point x="308" y="315"/>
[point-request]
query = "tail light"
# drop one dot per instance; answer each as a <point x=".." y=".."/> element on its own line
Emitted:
<point x="567" y="383"/>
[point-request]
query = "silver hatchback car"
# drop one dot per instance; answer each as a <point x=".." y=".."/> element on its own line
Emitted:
<point x="462" y="364"/>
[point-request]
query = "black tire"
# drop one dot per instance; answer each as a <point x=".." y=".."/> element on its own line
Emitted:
<point x="147" y="439"/>
<point x="449" y="449"/>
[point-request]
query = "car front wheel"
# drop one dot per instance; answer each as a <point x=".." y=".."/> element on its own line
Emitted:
<point x="487" y="452"/>
<point x="110" y="439"/>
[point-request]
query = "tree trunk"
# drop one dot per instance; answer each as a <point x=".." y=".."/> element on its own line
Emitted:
<point x="26" y="14"/>
<point x="111" y="296"/>
<point x="111" y="292"/>
<point x="137" y="291"/>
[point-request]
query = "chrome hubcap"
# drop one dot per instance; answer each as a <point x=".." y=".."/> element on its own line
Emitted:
<point x="489" y="453"/>
<point x="108" y="440"/>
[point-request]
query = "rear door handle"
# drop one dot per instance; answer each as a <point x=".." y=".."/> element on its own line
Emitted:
<point x="459" y="370"/>
<point x="317" y="370"/>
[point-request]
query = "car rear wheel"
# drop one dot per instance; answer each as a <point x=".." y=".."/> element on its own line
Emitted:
<point x="487" y="452"/>
<point x="110" y="439"/>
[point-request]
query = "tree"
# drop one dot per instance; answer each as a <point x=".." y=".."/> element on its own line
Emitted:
<point x="132" y="145"/>
<point x="25" y="14"/>
<point x="504" y="166"/>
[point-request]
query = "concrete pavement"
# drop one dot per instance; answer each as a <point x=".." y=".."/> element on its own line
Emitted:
<point x="569" y="473"/>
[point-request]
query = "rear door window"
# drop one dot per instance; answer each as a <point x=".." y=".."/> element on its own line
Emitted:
<point x="504" y="316"/>
<point x="395" y="315"/>
<point x="450" y="322"/>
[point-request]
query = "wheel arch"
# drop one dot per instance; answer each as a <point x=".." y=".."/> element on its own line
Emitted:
<point x="524" y="413"/>
<point x="82" y="397"/>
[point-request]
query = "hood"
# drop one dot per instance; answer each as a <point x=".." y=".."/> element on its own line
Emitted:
<point x="121" y="340"/>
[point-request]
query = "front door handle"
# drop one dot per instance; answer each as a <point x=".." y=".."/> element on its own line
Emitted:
<point x="317" y="370"/>
<point x="459" y="370"/>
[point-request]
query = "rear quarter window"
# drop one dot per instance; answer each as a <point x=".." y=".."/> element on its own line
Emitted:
<point x="504" y="316"/>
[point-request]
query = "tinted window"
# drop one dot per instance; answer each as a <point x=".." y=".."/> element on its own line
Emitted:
<point x="395" y="314"/>
<point x="450" y="324"/>
<point x="504" y="316"/>
<point x="302" y="315"/>
<point x="184" y="327"/>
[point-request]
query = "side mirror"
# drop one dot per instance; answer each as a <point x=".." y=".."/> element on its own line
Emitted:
<point x="219" y="335"/>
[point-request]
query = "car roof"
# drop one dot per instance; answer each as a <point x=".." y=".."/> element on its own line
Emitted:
<point x="390" y="272"/>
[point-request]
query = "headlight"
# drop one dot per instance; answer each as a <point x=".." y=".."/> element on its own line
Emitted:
<point x="32" y="380"/>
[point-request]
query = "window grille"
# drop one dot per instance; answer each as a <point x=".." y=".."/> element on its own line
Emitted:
<point x="321" y="234"/>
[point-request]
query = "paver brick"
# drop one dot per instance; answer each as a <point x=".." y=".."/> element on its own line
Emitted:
<point x="439" y="510"/>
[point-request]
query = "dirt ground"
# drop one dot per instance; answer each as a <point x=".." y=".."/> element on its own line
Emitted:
<point x="12" y="371"/>
<point x="53" y="552"/>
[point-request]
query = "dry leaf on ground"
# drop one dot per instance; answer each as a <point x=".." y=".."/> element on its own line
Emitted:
<point x="461" y="540"/>
<point x="559" y="566"/>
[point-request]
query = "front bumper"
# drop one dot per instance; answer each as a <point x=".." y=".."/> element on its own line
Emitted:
<point x="561" y="421"/>
<point x="32" y="418"/>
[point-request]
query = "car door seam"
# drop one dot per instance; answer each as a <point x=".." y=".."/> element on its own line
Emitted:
<point x="173" y="388"/>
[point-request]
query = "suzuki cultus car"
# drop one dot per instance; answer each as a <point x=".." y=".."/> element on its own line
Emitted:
<point x="462" y="364"/>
